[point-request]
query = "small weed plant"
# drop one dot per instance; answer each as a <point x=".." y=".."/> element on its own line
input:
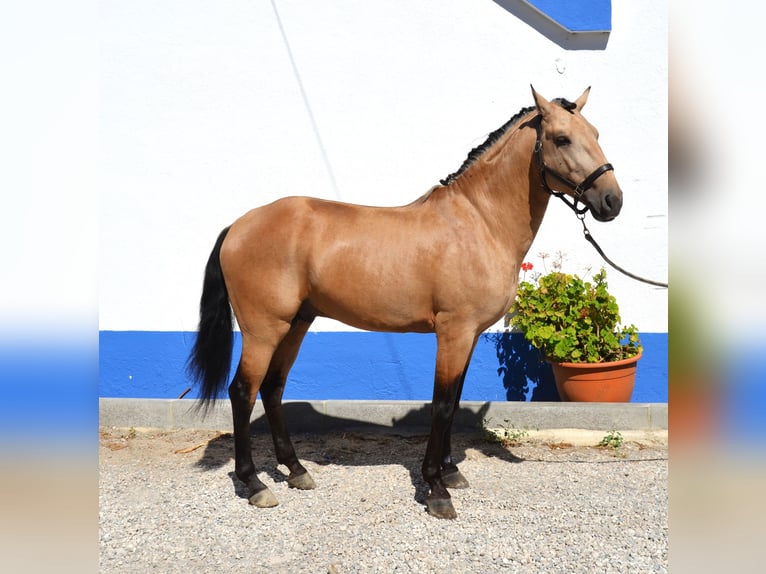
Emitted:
<point x="612" y="440"/>
<point x="508" y="435"/>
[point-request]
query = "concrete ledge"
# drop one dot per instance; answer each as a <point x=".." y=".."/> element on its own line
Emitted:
<point x="388" y="416"/>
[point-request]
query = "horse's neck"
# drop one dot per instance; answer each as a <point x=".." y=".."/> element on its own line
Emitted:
<point x="506" y="190"/>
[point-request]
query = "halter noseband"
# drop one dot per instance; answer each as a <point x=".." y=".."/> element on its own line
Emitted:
<point x="577" y="188"/>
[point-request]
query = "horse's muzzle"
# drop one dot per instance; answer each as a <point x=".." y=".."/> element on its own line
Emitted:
<point x="605" y="205"/>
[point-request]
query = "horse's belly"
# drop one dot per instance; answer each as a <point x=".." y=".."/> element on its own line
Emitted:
<point x="374" y="309"/>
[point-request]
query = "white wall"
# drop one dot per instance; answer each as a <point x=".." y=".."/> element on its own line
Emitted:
<point x="205" y="113"/>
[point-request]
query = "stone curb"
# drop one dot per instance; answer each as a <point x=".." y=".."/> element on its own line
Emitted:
<point x="405" y="417"/>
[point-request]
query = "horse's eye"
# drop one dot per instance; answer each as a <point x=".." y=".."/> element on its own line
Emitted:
<point x="561" y="141"/>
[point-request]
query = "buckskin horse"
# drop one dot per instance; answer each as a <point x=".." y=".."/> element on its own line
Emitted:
<point x="447" y="263"/>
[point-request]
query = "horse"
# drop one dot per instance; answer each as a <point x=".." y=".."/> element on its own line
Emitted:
<point x="447" y="263"/>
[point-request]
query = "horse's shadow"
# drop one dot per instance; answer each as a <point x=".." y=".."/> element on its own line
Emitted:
<point x="325" y="439"/>
<point x="524" y="375"/>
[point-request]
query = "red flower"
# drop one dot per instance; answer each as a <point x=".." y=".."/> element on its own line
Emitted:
<point x="526" y="266"/>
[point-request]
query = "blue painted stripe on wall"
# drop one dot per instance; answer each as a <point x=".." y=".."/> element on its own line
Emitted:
<point x="580" y="16"/>
<point x="361" y="366"/>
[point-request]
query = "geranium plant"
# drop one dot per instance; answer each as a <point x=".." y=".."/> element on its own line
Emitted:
<point x="572" y="320"/>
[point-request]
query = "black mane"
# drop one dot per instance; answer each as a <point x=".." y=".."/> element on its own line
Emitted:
<point x="476" y="152"/>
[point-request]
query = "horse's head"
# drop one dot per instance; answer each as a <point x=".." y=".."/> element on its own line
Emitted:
<point x="568" y="150"/>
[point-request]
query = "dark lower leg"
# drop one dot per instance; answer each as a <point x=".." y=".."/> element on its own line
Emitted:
<point x="454" y="349"/>
<point x="438" y="501"/>
<point x="451" y="476"/>
<point x="244" y="468"/>
<point x="447" y="463"/>
<point x="271" y="395"/>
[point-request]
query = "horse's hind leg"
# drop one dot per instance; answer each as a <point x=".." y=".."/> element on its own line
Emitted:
<point x="271" y="394"/>
<point x="242" y="392"/>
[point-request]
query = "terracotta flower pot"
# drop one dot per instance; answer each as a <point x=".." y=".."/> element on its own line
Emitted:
<point x="596" y="382"/>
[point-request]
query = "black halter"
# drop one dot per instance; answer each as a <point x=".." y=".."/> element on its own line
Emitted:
<point x="577" y="188"/>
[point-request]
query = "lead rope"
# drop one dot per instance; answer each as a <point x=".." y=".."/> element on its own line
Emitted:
<point x="592" y="241"/>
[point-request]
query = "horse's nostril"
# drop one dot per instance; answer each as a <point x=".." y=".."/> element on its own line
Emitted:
<point x="611" y="201"/>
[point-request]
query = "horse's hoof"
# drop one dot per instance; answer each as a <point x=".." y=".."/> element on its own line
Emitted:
<point x="441" y="508"/>
<point x="301" y="481"/>
<point x="454" y="479"/>
<point x="263" y="499"/>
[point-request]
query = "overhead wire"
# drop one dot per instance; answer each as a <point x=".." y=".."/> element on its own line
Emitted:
<point x="306" y="103"/>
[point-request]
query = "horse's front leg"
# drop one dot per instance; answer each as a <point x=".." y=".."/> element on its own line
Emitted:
<point x="451" y="475"/>
<point x="439" y="471"/>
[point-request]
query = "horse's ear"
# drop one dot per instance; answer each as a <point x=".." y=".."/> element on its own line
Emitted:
<point x="542" y="104"/>
<point x="580" y="102"/>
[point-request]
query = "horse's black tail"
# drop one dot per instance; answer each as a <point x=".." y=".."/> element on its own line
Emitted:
<point x="210" y="359"/>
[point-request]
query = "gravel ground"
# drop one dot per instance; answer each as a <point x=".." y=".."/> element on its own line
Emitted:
<point x="169" y="502"/>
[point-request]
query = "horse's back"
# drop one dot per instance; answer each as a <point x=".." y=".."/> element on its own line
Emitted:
<point x="296" y="227"/>
<point x="344" y="259"/>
